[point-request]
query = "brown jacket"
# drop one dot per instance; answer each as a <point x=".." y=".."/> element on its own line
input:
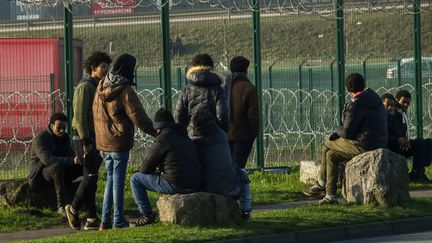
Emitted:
<point x="116" y="110"/>
<point x="244" y="110"/>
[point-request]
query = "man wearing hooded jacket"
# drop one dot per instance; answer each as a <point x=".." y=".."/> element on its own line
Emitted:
<point x="364" y="128"/>
<point x="116" y="110"/>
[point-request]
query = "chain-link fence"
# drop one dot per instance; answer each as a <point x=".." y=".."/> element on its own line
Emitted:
<point x="299" y="43"/>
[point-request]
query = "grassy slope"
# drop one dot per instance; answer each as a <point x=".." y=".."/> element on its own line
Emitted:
<point x="283" y="38"/>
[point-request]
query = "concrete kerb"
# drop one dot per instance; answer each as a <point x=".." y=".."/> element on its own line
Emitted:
<point x="348" y="232"/>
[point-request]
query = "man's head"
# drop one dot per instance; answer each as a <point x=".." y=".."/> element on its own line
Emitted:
<point x="203" y="59"/>
<point x="124" y="65"/>
<point x="355" y="83"/>
<point x="57" y="124"/>
<point x="403" y="97"/>
<point x="96" y="65"/>
<point x="389" y="101"/>
<point x="162" y="119"/>
<point x="239" y="64"/>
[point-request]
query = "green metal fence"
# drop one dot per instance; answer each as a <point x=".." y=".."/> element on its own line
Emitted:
<point x="300" y="50"/>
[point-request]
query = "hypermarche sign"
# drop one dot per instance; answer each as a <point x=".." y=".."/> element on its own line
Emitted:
<point x="121" y="7"/>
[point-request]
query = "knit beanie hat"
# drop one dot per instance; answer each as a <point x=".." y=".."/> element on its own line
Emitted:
<point x="124" y="65"/>
<point x="162" y="119"/>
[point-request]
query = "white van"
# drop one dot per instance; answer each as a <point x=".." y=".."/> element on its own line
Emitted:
<point x="407" y="68"/>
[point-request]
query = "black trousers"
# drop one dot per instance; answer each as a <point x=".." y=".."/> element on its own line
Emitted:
<point x="420" y="150"/>
<point x="62" y="175"/>
<point x="86" y="193"/>
<point x="240" y="151"/>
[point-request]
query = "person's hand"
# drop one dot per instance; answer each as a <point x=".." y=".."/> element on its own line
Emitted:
<point x="404" y="144"/>
<point x="333" y="136"/>
<point x="77" y="160"/>
<point x="87" y="149"/>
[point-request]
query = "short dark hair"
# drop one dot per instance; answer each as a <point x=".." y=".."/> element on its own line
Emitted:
<point x="387" y="96"/>
<point x="202" y="59"/>
<point x="355" y="83"/>
<point x="56" y="117"/>
<point x="239" y="64"/>
<point x="95" y="59"/>
<point x="403" y="93"/>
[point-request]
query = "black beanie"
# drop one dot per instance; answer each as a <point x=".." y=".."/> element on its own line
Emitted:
<point x="124" y="65"/>
<point x="163" y="118"/>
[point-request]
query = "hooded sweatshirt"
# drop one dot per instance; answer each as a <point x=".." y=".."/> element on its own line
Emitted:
<point x="365" y="120"/>
<point x="117" y="109"/>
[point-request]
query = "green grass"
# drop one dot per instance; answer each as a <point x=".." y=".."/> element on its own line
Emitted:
<point x="267" y="222"/>
<point x="21" y="218"/>
<point x="267" y="188"/>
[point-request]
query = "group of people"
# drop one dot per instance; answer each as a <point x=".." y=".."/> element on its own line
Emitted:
<point x="369" y="122"/>
<point x="203" y="147"/>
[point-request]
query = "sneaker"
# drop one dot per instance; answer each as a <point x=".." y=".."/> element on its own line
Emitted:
<point x="91" y="224"/>
<point x="73" y="218"/>
<point x="146" y="219"/>
<point x="245" y="215"/>
<point x="62" y="211"/>
<point x="328" y="201"/>
<point x="105" y="226"/>
<point x="314" y="191"/>
<point x="124" y="224"/>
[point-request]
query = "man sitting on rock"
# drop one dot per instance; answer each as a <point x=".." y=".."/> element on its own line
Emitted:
<point x="221" y="174"/>
<point x="53" y="160"/>
<point x="399" y="141"/>
<point x="171" y="166"/>
<point x="364" y="129"/>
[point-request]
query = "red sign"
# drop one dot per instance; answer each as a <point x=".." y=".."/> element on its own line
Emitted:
<point x="106" y="8"/>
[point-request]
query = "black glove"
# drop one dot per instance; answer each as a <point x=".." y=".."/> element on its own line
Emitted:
<point x="334" y="136"/>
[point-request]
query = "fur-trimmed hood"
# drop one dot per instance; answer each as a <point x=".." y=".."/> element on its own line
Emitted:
<point x="204" y="76"/>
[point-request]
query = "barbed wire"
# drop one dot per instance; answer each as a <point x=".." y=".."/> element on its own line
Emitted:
<point x="295" y="122"/>
<point x="325" y="8"/>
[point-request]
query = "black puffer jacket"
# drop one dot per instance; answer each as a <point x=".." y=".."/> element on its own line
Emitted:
<point x="204" y="89"/>
<point x="365" y="120"/>
<point x="176" y="156"/>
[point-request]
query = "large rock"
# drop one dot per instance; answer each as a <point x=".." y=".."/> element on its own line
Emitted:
<point x="379" y="176"/>
<point x="309" y="171"/>
<point x="199" y="208"/>
<point x="18" y="192"/>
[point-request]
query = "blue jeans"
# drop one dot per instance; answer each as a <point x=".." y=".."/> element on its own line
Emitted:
<point x="116" y="164"/>
<point x="140" y="183"/>
<point x="242" y="192"/>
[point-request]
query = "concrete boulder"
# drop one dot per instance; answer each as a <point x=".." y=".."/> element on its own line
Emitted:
<point x="379" y="176"/>
<point x="199" y="208"/>
<point x="309" y="171"/>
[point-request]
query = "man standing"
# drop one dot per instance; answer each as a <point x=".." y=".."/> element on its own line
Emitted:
<point x="116" y="111"/>
<point x="244" y="112"/>
<point x="170" y="167"/>
<point x="96" y="67"/>
<point x="53" y="160"/>
<point x="364" y="129"/>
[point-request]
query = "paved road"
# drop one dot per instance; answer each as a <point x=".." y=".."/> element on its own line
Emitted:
<point x="405" y="238"/>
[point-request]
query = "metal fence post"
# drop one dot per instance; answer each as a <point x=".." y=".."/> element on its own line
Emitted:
<point x="258" y="83"/>
<point x="311" y="112"/>
<point x="166" y="54"/>
<point x="68" y="52"/>
<point x="300" y="87"/>
<point x="179" y="78"/>
<point x="52" y="96"/>
<point x="340" y="46"/>
<point x="418" y="69"/>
